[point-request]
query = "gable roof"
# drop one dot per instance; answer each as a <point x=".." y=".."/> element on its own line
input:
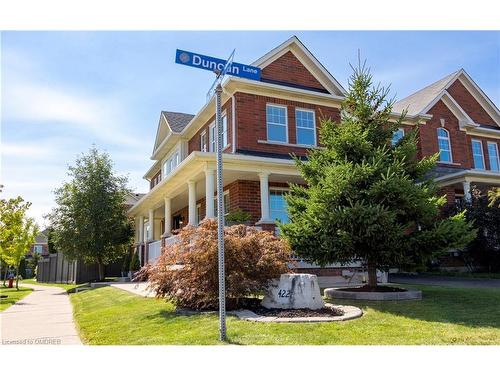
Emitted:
<point x="177" y="121"/>
<point x="297" y="48"/>
<point x="418" y="101"/>
<point x="421" y="102"/>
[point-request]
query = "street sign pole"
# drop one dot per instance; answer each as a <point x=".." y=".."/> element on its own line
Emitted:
<point x="221" y="68"/>
<point x="220" y="216"/>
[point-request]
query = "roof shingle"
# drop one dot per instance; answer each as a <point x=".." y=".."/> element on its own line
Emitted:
<point x="177" y="120"/>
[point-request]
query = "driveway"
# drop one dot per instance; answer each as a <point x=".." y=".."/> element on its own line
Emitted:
<point x="43" y="317"/>
<point x="450" y="281"/>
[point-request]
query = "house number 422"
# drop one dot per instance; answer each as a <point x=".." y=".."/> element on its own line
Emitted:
<point x="282" y="293"/>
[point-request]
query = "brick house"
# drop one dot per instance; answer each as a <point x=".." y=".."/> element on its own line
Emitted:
<point x="41" y="245"/>
<point x="264" y="121"/>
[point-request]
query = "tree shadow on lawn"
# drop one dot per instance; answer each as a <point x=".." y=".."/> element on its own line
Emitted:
<point x="472" y="307"/>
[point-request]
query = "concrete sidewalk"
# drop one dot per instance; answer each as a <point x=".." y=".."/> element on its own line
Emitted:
<point x="139" y="288"/>
<point x="43" y="317"/>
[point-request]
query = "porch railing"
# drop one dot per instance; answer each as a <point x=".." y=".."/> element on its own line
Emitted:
<point x="154" y="251"/>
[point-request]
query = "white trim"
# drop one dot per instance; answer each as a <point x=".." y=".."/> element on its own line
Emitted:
<point x="313" y="128"/>
<point x="276" y="143"/>
<point x="233" y="123"/>
<point x="203" y="145"/>
<point x="489" y="155"/>
<point x="328" y="81"/>
<point x="482" y="153"/>
<point x="212" y="138"/>
<point x="276" y="124"/>
<point x="449" y="145"/>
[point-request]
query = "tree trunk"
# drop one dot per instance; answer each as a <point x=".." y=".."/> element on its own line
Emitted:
<point x="372" y="275"/>
<point x="101" y="270"/>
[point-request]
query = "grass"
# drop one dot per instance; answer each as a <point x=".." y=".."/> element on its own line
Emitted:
<point x="13" y="295"/>
<point x="70" y="288"/>
<point x="445" y="316"/>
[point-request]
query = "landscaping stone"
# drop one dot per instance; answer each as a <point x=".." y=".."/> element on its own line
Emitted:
<point x="349" y="312"/>
<point x="373" y="296"/>
<point x="294" y="291"/>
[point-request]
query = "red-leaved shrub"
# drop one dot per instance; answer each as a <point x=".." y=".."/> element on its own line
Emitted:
<point x="187" y="272"/>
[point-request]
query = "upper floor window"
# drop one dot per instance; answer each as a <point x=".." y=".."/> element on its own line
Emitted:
<point x="444" y="145"/>
<point x="203" y="141"/>
<point x="212" y="132"/>
<point x="306" y="130"/>
<point x="493" y="156"/>
<point x="171" y="163"/>
<point x="477" y="154"/>
<point x="398" y="134"/>
<point x="224" y="132"/>
<point x="276" y="119"/>
<point x="38" y="249"/>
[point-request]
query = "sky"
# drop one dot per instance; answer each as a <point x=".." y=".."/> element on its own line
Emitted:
<point x="62" y="92"/>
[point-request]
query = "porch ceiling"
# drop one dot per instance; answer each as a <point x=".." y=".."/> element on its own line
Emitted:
<point x="236" y="167"/>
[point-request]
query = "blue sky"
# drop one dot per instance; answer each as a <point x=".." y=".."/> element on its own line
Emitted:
<point x="61" y="92"/>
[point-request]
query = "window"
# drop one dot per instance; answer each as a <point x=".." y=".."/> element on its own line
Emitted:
<point x="198" y="213"/>
<point x="444" y="145"/>
<point x="493" y="156"/>
<point x="38" y="249"/>
<point x="277" y="205"/>
<point x="212" y="132"/>
<point x="477" y="154"/>
<point x="276" y="123"/>
<point x="224" y="132"/>
<point x="203" y="141"/>
<point x="225" y="202"/>
<point x="398" y="134"/>
<point x="306" y="130"/>
<point x="171" y="163"/>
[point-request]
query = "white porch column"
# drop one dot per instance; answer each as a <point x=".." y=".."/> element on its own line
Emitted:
<point x="168" y="217"/>
<point x="264" y="197"/>
<point x="192" y="202"/>
<point x="467" y="195"/>
<point x="209" y="192"/>
<point x="141" y="229"/>
<point x="151" y="224"/>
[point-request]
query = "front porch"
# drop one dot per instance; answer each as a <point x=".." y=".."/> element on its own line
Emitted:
<point x="252" y="184"/>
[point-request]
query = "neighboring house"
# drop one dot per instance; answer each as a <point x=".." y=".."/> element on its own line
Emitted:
<point x="40" y="246"/>
<point x="264" y="121"/>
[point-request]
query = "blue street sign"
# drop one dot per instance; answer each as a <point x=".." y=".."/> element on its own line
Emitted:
<point x="196" y="60"/>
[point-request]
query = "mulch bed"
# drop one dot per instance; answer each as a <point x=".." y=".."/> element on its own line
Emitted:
<point x="378" y="288"/>
<point x="253" y="304"/>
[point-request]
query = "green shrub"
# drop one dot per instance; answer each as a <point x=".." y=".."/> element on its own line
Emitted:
<point x="187" y="271"/>
<point x="135" y="263"/>
<point x="238" y="217"/>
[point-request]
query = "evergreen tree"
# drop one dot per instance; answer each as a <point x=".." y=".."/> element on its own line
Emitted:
<point x="365" y="199"/>
<point x="90" y="221"/>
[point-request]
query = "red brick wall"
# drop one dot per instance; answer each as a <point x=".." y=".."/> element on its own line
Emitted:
<point x="484" y="141"/>
<point x="289" y="69"/>
<point x="469" y="104"/>
<point x="450" y="194"/>
<point x="428" y="144"/>
<point x="194" y="142"/>
<point x="251" y="123"/>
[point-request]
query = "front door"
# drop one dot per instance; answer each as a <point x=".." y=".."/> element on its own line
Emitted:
<point x="177" y="222"/>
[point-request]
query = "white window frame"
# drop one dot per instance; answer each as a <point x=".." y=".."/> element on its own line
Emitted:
<point x="212" y="138"/>
<point x="497" y="156"/>
<point x="482" y="153"/>
<point x="298" y="109"/>
<point x="198" y="213"/>
<point x="36" y="248"/>
<point x="226" y="207"/>
<point x="225" y="139"/>
<point x="404" y="133"/>
<point x="448" y="138"/>
<point x="171" y="162"/>
<point x="286" y="123"/>
<point x="203" y="141"/>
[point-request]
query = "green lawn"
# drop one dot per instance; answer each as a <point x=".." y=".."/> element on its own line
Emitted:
<point x="467" y="275"/>
<point x="445" y="316"/>
<point x="13" y="295"/>
<point x="67" y="287"/>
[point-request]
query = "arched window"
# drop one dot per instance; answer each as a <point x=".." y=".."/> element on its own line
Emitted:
<point x="444" y="145"/>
